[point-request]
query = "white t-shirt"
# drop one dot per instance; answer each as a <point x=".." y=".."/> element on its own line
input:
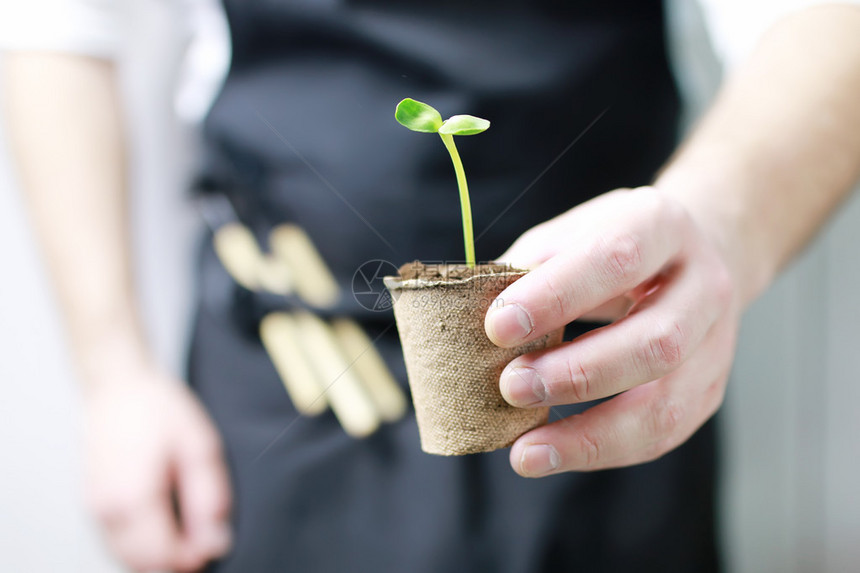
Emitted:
<point x="89" y="27"/>
<point x="735" y="26"/>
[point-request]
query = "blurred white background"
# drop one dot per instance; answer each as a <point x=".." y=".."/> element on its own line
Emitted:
<point x="790" y="499"/>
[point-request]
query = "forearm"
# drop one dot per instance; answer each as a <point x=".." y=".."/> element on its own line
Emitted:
<point x="780" y="148"/>
<point x="63" y="120"/>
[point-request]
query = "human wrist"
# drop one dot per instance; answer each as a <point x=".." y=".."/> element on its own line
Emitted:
<point x="112" y="357"/>
<point x="714" y="200"/>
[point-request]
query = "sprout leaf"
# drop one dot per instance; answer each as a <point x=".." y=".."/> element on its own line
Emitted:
<point x="464" y="125"/>
<point x="418" y="116"/>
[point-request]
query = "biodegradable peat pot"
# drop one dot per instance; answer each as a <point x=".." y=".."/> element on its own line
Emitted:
<point x="453" y="367"/>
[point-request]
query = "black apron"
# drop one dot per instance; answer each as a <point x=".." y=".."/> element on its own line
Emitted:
<point x="303" y="131"/>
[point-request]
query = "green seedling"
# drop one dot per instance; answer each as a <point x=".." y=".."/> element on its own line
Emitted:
<point x="421" y="117"/>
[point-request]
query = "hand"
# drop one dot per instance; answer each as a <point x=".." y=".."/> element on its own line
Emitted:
<point x="149" y="442"/>
<point x="637" y="255"/>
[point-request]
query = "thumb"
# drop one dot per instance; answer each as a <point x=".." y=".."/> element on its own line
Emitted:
<point x="544" y="241"/>
<point x="530" y="250"/>
<point x="204" y="494"/>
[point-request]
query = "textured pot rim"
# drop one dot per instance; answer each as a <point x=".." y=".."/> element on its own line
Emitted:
<point x="396" y="283"/>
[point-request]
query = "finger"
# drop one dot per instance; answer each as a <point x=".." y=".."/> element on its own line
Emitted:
<point x="652" y="341"/>
<point x="535" y="246"/>
<point x="545" y="240"/>
<point x="145" y="536"/>
<point x="607" y="264"/>
<point x="638" y="425"/>
<point x="609" y="311"/>
<point x="203" y="495"/>
<point x="634" y="427"/>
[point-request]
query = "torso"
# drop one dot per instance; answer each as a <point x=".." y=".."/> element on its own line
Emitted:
<point x="304" y="132"/>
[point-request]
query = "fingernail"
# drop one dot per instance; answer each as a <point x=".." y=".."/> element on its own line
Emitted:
<point x="217" y="538"/>
<point x="510" y="323"/>
<point x="539" y="459"/>
<point x="523" y="386"/>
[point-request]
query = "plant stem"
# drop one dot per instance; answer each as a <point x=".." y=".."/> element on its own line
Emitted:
<point x="465" y="205"/>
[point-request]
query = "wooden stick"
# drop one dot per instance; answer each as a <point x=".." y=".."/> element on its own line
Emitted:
<point x="348" y="398"/>
<point x="274" y="276"/>
<point x="311" y="278"/>
<point x="371" y="369"/>
<point x="282" y="340"/>
<point x="238" y="251"/>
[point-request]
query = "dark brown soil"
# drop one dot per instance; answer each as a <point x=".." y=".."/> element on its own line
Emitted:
<point x="450" y="272"/>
